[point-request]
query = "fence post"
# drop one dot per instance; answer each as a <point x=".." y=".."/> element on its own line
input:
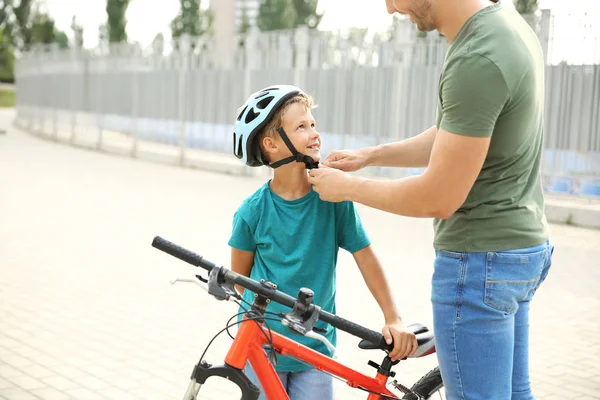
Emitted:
<point x="100" y="67"/>
<point x="32" y="106"/>
<point x="135" y="102"/>
<point x="55" y="56"/>
<point x="134" y="111"/>
<point x="184" y="48"/>
<point x="40" y="109"/>
<point x="301" y="37"/>
<point x="72" y="93"/>
<point x="251" y="58"/>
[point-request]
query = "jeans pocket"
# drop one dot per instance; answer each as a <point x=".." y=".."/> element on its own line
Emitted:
<point x="450" y="254"/>
<point x="448" y="281"/>
<point x="512" y="277"/>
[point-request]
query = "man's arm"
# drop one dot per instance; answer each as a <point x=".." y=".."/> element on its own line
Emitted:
<point x="405" y="343"/>
<point x="241" y="262"/>
<point x="456" y="161"/>
<point x="413" y="152"/>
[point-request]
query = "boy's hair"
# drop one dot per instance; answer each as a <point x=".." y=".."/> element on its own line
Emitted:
<point x="270" y="130"/>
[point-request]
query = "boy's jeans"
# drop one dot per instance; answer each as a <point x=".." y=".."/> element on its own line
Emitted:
<point x="481" y="320"/>
<point x="304" y="385"/>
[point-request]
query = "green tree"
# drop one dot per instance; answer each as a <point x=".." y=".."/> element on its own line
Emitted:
<point x="5" y="25"/>
<point x="22" y="26"/>
<point x="191" y="20"/>
<point x="61" y="38"/>
<point x="526" y="6"/>
<point x="275" y="15"/>
<point x="77" y="33"/>
<point x="43" y="31"/>
<point x="20" y="30"/>
<point x="42" y="28"/>
<point x="116" y="23"/>
<point x="7" y="60"/>
<point x="306" y="13"/>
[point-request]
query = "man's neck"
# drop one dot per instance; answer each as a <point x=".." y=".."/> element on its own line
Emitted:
<point x="290" y="181"/>
<point x="454" y="14"/>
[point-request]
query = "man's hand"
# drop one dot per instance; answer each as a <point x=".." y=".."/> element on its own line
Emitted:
<point x="347" y="160"/>
<point x="331" y="184"/>
<point x="405" y="342"/>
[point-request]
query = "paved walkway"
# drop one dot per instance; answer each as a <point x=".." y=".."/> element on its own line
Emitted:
<point x="87" y="312"/>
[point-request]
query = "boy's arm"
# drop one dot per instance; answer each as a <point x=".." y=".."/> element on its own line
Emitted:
<point x="405" y="343"/>
<point x="241" y="262"/>
<point x="242" y="245"/>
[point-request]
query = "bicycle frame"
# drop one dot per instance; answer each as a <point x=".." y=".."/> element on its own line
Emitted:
<point x="251" y="339"/>
<point x="248" y="346"/>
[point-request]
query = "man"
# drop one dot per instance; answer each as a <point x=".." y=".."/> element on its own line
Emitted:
<point x="483" y="187"/>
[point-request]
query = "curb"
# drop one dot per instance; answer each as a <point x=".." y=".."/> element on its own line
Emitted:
<point x="573" y="211"/>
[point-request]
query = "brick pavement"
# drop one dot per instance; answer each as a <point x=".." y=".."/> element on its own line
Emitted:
<point x="86" y="310"/>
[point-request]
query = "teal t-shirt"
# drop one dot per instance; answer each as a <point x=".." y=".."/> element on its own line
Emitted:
<point x="295" y="245"/>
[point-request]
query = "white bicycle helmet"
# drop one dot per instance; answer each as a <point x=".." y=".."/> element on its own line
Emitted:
<point x="254" y="116"/>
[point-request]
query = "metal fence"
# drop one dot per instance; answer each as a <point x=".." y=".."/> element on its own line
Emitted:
<point x="370" y="88"/>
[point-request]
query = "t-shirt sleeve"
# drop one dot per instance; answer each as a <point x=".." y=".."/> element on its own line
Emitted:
<point x="351" y="234"/>
<point x="241" y="234"/>
<point x="473" y="93"/>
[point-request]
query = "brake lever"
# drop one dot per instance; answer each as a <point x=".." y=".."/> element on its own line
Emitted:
<point x="322" y="339"/>
<point x="206" y="288"/>
<point x="188" y="280"/>
<point x="313" y="335"/>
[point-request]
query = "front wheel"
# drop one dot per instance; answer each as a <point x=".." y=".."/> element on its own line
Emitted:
<point x="430" y="386"/>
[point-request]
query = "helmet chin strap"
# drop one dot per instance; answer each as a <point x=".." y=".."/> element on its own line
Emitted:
<point x="296" y="156"/>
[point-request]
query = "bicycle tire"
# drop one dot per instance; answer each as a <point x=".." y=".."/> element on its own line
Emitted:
<point x="427" y="386"/>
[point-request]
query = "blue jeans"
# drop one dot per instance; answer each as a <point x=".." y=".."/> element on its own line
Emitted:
<point x="303" y="385"/>
<point x="481" y="320"/>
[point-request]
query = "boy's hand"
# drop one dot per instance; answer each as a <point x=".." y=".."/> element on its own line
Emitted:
<point x="405" y="342"/>
<point x="347" y="160"/>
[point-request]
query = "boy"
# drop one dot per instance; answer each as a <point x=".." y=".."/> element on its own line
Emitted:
<point x="285" y="234"/>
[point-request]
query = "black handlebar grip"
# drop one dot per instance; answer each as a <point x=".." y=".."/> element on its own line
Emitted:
<point x="181" y="253"/>
<point x="362" y="332"/>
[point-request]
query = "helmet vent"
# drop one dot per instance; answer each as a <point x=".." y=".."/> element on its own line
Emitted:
<point x="261" y="105"/>
<point x="251" y="116"/>
<point x="240" y="152"/>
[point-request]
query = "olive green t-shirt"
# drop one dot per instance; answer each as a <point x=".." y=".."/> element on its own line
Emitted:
<point x="492" y="85"/>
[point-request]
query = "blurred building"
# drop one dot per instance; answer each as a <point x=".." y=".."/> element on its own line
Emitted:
<point x="228" y="19"/>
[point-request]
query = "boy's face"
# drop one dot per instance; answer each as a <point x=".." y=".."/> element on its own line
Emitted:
<point x="299" y="125"/>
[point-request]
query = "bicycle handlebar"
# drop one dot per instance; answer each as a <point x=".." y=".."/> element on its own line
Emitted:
<point x="273" y="294"/>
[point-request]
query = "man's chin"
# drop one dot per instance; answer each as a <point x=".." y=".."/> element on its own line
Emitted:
<point x="423" y="28"/>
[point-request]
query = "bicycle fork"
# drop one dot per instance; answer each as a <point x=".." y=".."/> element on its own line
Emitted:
<point x="205" y="370"/>
<point x="192" y="391"/>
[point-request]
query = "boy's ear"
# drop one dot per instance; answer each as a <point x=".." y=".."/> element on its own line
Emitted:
<point x="269" y="145"/>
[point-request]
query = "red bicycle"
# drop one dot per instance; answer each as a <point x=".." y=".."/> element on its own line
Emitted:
<point x="253" y="337"/>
